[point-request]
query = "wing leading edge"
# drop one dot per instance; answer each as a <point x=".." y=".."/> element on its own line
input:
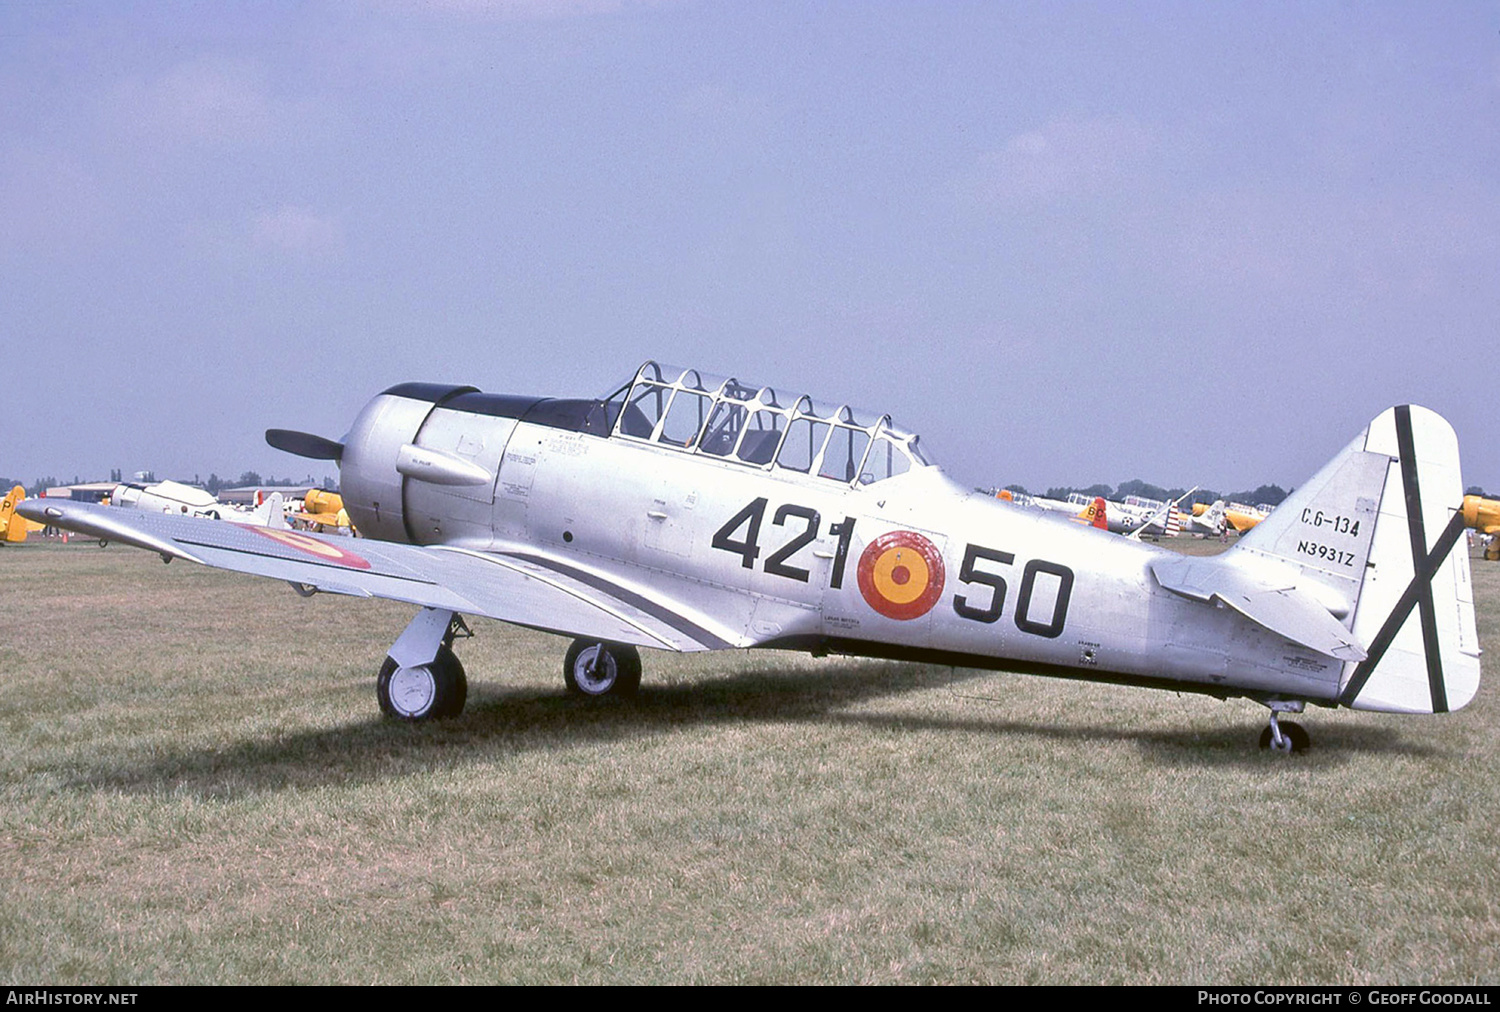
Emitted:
<point x="523" y="586"/>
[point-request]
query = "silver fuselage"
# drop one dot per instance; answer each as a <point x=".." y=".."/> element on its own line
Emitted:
<point x="776" y="558"/>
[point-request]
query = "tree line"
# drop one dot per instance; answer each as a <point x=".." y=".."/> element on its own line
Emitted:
<point x="1264" y="495"/>
<point x="214" y="484"/>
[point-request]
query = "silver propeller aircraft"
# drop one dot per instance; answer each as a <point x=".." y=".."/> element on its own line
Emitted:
<point x="690" y="512"/>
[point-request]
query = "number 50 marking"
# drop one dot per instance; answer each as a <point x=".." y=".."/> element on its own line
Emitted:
<point x="970" y="573"/>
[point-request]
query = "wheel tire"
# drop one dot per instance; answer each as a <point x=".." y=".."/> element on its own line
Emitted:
<point x="1294" y="738"/>
<point x="1295" y="734"/>
<point x="616" y="673"/>
<point x="429" y="691"/>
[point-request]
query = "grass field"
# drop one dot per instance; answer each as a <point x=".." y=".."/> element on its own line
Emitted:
<point x="197" y="788"/>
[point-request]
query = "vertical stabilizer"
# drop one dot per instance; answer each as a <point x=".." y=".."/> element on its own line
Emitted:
<point x="1213" y="518"/>
<point x="1098" y="513"/>
<point x="1376" y="529"/>
<point x="13" y="526"/>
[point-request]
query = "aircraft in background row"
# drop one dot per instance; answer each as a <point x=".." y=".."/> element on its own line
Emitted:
<point x="1236" y="515"/>
<point x="1134" y="516"/>
<point x="322" y="512"/>
<point x="169" y="497"/>
<point x="1154" y="517"/>
<point x="1080" y="509"/>
<point x="1483" y="515"/>
<point x="688" y="512"/>
<point x="13" y="526"/>
<point x="173" y="498"/>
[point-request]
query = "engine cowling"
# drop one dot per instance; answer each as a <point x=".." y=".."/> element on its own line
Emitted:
<point x="422" y="461"/>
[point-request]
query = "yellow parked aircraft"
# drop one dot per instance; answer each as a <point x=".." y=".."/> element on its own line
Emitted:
<point x="1484" y="516"/>
<point x="14" y="528"/>
<point x="1237" y="515"/>
<point x="322" y="511"/>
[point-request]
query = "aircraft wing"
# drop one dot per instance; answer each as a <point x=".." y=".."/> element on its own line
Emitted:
<point x="524" y="585"/>
<point x="1285" y="610"/>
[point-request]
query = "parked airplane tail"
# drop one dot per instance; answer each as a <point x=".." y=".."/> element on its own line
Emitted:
<point x="1097" y="513"/>
<point x="1213" y="517"/>
<point x="1173" y="522"/>
<point x="268" y="514"/>
<point x="13" y="527"/>
<point x="1374" y="535"/>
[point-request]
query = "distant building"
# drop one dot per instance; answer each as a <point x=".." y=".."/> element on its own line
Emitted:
<point x="89" y="491"/>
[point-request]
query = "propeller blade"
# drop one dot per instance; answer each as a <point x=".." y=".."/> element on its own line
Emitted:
<point x="305" y="444"/>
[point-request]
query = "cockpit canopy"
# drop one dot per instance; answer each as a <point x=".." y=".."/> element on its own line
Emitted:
<point x="757" y="426"/>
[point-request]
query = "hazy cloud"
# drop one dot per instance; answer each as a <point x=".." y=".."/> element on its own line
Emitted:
<point x="510" y="10"/>
<point x="1063" y="161"/>
<point x="49" y="203"/>
<point x="211" y="100"/>
<point x="298" y="232"/>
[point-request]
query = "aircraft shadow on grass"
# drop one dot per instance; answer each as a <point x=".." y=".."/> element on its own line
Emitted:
<point x="499" y="724"/>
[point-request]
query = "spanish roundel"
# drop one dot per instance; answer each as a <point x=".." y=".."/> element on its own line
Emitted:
<point x="901" y="575"/>
<point x="320" y="550"/>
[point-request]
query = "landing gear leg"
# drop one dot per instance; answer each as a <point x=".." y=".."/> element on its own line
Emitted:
<point x="422" y="679"/>
<point x="1284" y="738"/>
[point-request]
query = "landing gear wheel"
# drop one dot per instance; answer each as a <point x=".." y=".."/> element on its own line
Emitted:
<point x="426" y="692"/>
<point x="602" y="669"/>
<point x="1293" y="738"/>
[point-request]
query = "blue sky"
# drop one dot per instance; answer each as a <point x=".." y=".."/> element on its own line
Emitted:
<point x="1196" y="243"/>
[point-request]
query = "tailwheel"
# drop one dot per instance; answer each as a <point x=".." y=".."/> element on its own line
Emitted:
<point x="428" y="691"/>
<point x="597" y="669"/>
<point x="1285" y="737"/>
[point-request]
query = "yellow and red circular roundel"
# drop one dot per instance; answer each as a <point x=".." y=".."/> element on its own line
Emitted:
<point x="312" y="546"/>
<point x="901" y="575"/>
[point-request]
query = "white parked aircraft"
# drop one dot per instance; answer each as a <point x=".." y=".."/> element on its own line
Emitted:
<point x="1210" y="520"/>
<point x="688" y="512"/>
<point x="1078" y="508"/>
<point x="175" y="498"/>
<point x="168" y="497"/>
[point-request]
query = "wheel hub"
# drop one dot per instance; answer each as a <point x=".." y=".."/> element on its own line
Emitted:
<point x="595" y="674"/>
<point x="412" y="690"/>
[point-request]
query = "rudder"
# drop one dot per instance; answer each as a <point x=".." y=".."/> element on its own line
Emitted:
<point x="1378" y="526"/>
<point x="13" y="527"/>
<point x="1416" y="610"/>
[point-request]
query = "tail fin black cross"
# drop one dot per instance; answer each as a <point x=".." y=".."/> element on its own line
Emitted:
<point x="1418" y="593"/>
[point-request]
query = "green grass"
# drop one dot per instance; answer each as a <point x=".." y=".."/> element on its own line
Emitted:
<point x="195" y="786"/>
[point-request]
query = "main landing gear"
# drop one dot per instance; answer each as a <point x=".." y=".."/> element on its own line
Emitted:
<point x="423" y="680"/>
<point x="1288" y="737"/>
<point x="428" y="691"/>
<point x="599" y="669"/>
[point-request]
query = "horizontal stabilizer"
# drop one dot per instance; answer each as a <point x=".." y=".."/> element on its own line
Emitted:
<point x="1285" y="609"/>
